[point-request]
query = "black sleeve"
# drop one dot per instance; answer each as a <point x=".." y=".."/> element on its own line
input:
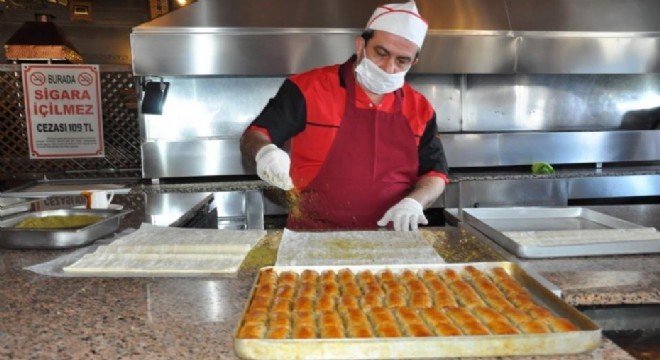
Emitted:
<point x="285" y="115"/>
<point x="431" y="153"/>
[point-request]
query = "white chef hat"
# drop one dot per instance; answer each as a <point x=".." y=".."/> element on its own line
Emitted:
<point x="400" y="19"/>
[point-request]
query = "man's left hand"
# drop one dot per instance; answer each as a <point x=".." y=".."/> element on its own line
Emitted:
<point x="405" y="215"/>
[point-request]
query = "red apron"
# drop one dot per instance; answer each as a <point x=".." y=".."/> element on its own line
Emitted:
<point x="372" y="164"/>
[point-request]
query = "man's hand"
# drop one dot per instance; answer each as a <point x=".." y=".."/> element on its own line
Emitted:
<point x="273" y="166"/>
<point x="405" y="215"/>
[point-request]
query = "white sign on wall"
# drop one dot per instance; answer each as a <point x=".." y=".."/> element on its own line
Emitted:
<point x="63" y="110"/>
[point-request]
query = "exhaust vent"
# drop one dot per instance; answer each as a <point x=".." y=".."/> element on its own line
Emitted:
<point x="40" y="41"/>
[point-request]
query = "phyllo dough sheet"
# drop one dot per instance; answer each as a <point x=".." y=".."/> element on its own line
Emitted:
<point x="154" y="250"/>
<point x="355" y="248"/>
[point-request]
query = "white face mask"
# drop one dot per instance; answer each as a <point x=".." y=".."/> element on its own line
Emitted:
<point x="374" y="79"/>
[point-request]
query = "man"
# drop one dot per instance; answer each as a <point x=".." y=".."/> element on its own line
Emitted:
<point x="364" y="146"/>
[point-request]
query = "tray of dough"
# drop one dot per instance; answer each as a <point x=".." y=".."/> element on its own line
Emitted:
<point x="407" y="311"/>
<point x="58" y="229"/>
<point x="545" y="232"/>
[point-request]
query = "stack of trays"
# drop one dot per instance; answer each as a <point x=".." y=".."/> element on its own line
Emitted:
<point x="542" y="232"/>
<point x="407" y="311"/>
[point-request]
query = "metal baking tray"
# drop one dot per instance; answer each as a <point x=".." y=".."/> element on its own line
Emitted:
<point x="587" y="338"/>
<point x="13" y="205"/>
<point x="561" y="232"/>
<point x="46" y="188"/>
<point x="16" y="238"/>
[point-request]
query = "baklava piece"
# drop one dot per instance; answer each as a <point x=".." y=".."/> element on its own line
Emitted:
<point x="281" y="305"/>
<point x="421" y="300"/>
<point x="439" y="322"/>
<point x="351" y="289"/>
<point x="502" y="328"/>
<point x="303" y="304"/>
<point x="346" y="276"/>
<point x="346" y="303"/>
<point x="278" y="333"/>
<point x="416" y="286"/>
<point x="303" y="319"/>
<point x="260" y="303"/>
<point x="265" y="290"/>
<point x="287" y="277"/>
<point x="384" y="322"/>
<point x="465" y="321"/>
<point x="328" y="288"/>
<point x="306" y="290"/>
<point x="450" y="275"/>
<point x="255" y="317"/>
<point x="330" y="318"/>
<point x="303" y="332"/>
<point x="252" y="331"/>
<point x="505" y="282"/>
<point x="488" y="315"/>
<point x="516" y="316"/>
<point x="285" y="291"/>
<point x="412" y="323"/>
<point x="522" y="301"/>
<point x="325" y="302"/>
<point x="332" y="332"/>
<point x="309" y="277"/>
<point x="370" y="301"/>
<point x="534" y="327"/>
<point x="395" y="299"/>
<point x="558" y="324"/>
<point x="407" y="275"/>
<point x="465" y="294"/>
<point x="387" y="276"/>
<point x="328" y="275"/>
<point x="539" y="312"/>
<point x="365" y="278"/>
<point x="267" y="276"/>
<point x="281" y="320"/>
<point x="472" y="273"/>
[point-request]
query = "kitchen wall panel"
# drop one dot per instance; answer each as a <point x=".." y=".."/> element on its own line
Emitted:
<point x="557" y="102"/>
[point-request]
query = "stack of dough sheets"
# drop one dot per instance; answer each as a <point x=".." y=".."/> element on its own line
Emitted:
<point x="421" y="303"/>
<point x="154" y="250"/>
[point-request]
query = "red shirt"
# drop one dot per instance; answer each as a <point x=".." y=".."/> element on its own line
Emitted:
<point x="308" y="109"/>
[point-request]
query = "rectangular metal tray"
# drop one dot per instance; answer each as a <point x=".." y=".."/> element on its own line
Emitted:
<point x="591" y="232"/>
<point x="13" y="205"/>
<point x="46" y="188"/>
<point x="587" y="338"/>
<point x="16" y="238"/>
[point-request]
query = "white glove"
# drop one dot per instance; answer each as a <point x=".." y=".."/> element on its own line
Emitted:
<point x="273" y="166"/>
<point x="405" y="215"/>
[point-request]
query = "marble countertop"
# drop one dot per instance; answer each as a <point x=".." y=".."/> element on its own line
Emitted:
<point x="44" y="317"/>
<point x="560" y="173"/>
<point x="253" y="183"/>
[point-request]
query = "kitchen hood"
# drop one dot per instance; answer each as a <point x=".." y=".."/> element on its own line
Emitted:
<point x="265" y="37"/>
<point x="40" y="41"/>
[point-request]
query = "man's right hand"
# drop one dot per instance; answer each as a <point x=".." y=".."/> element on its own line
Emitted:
<point x="273" y="166"/>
